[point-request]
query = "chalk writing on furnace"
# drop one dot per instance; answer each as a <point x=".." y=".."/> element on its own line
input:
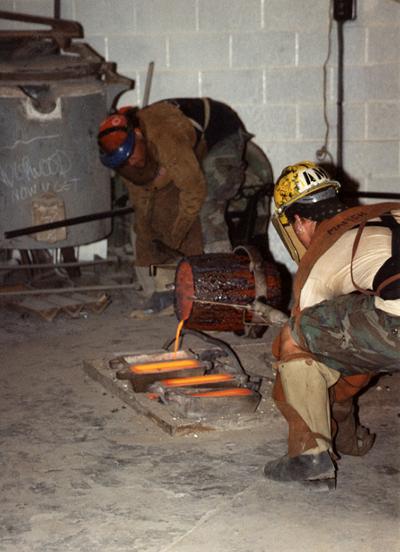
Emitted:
<point x="26" y="170"/>
<point x="28" y="192"/>
<point x="25" y="142"/>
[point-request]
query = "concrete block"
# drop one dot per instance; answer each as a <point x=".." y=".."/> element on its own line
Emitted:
<point x="287" y="152"/>
<point x="312" y="124"/>
<point x="276" y="121"/>
<point x="383" y="121"/>
<point x="98" y="43"/>
<point x="136" y="52"/>
<point x="263" y="48"/>
<point x="371" y="159"/>
<point x="376" y="82"/>
<point x="331" y="83"/>
<point x="7" y="5"/>
<point x="366" y="200"/>
<point x="171" y="84"/>
<point x="165" y="84"/>
<point x="384" y="44"/>
<point x="387" y="184"/>
<point x="313" y="48"/>
<point x="160" y="16"/>
<point x="241" y="86"/>
<point x="200" y="50"/>
<point x="229" y="15"/>
<point x="376" y="13"/>
<point x="294" y="85"/>
<point x="67" y="9"/>
<point x="5" y="24"/>
<point x="295" y="15"/>
<point x="354" y="121"/>
<point x="104" y="17"/>
<point x="40" y="8"/>
<point x="355" y="48"/>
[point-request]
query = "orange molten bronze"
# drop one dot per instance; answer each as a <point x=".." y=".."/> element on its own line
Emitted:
<point x="197" y="380"/>
<point x="178" y="333"/>
<point x="164" y="366"/>
<point x="234" y="392"/>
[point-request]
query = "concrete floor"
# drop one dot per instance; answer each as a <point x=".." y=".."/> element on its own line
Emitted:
<point x="81" y="471"/>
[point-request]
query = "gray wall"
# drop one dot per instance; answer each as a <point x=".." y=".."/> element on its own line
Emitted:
<point x="266" y="59"/>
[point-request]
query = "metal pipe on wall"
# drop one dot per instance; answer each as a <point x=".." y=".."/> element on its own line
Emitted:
<point x="340" y="94"/>
<point x="57" y="9"/>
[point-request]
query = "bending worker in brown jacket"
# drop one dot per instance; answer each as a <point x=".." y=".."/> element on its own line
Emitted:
<point x="181" y="161"/>
<point x="345" y="323"/>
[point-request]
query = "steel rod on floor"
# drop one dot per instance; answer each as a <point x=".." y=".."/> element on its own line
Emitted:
<point x="68" y="290"/>
<point x="66" y="222"/>
<point x="34" y="266"/>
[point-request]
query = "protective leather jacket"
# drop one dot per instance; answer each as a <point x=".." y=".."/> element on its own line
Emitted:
<point x="178" y="133"/>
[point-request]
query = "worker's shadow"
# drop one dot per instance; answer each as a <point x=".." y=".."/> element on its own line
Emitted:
<point x="349" y="190"/>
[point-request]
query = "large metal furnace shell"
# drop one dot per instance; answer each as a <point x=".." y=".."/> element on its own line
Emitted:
<point x="49" y="164"/>
<point x="53" y="95"/>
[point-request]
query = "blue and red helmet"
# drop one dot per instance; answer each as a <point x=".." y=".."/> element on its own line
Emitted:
<point x="116" y="139"/>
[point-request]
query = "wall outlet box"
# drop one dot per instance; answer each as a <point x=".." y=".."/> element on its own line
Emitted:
<point x="344" y="10"/>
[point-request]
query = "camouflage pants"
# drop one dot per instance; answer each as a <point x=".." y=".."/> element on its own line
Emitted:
<point x="224" y="170"/>
<point x="350" y="335"/>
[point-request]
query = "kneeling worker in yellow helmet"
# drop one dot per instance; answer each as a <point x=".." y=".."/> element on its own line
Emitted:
<point x="345" y="323"/>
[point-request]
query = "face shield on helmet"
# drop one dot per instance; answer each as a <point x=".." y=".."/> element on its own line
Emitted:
<point x="116" y="140"/>
<point x="303" y="184"/>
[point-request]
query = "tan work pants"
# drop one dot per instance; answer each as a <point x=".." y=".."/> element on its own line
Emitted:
<point x="301" y="394"/>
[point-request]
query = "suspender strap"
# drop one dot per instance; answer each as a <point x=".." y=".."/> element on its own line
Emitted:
<point x="353" y="254"/>
<point x="386" y="283"/>
<point x="198" y="126"/>
<point x="389" y="273"/>
<point x="388" y="221"/>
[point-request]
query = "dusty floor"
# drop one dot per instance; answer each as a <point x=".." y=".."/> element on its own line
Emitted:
<point x="81" y="471"/>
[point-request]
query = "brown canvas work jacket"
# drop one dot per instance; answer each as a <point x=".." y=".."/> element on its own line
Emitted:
<point x="167" y="207"/>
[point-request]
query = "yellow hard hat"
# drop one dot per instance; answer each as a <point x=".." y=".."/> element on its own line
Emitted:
<point x="297" y="182"/>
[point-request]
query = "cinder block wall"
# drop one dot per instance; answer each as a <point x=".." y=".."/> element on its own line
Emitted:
<point x="266" y="58"/>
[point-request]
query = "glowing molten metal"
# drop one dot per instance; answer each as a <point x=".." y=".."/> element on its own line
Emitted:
<point x="164" y="366"/>
<point x="235" y="392"/>
<point x="197" y="380"/>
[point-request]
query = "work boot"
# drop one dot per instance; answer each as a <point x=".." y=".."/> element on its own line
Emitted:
<point x="160" y="300"/>
<point x="307" y="469"/>
<point x="159" y="304"/>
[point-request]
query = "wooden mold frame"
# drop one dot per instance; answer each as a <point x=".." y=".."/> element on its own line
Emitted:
<point x="100" y="371"/>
